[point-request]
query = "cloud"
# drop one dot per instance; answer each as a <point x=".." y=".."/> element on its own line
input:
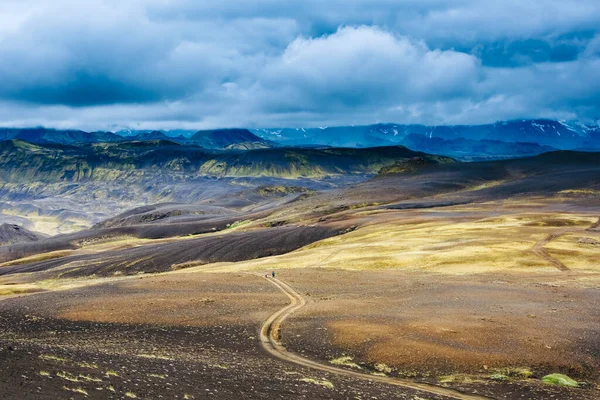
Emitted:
<point x="104" y="56"/>
<point x="363" y="65"/>
<point x="107" y="63"/>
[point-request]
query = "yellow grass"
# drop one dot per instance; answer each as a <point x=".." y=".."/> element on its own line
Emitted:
<point x="584" y="192"/>
<point x="325" y="383"/>
<point x="67" y="376"/>
<point x="468" y="241"/>
<point x="345" y="361"/>
<point x="461" y="245"/>
<point x="84" y="364"/>
<point x="38" y="257"/>
<point x="21" y="289"/>
<point x="156" y="356"/>
<point x="51" y="357"/>
<point x="89" y="378"/>
<point x="577" y="251"/>
<point x="76" y="390"/>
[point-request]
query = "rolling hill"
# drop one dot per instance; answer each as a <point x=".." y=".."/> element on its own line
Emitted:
<point x="11" y="234"/>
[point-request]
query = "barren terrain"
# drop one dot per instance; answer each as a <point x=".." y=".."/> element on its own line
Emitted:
<point x="444" y="283"/>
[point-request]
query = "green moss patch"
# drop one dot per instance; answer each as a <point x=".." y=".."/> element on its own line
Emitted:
<point x="499" y="377"/>
<point x="560" y="380"/>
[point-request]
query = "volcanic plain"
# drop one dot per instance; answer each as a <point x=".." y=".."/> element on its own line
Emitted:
<point x="459" y="280"/>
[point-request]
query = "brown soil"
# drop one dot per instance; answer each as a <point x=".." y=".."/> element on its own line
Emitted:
<point x="429" y="325"/>
<point x="144" y="349"/>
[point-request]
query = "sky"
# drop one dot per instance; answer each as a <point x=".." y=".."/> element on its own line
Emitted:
<point x="194" y="64"/>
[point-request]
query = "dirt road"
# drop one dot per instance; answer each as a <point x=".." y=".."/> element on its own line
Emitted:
<point x="270" y="335"/>
<point x="539" y="250"/>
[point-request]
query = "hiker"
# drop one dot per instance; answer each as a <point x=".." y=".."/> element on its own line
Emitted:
<point x="273" y="274"/>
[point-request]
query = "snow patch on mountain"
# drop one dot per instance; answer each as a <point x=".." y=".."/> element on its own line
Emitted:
<point x="539" y="126"/>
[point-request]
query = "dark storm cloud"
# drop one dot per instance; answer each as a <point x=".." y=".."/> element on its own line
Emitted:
<point x="528" y="51"/>
<point x="155" y="63"/>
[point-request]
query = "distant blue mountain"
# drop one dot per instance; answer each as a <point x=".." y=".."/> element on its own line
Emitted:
<point x="44" y="136"/>
<point x="472" y="149"/>
<point x="234" y="139"/>
<point x="171" y="133"/>
<point x="239" y="139"/>
<point x="499" y="140"/>
<point x="506" y="139"/>
<point x="153" y="135"/>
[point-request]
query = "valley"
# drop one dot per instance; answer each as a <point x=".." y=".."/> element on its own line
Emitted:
<point x="397" y="275"/>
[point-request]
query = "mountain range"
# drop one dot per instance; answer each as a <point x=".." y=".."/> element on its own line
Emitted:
<point x="54" y="188"/>
<point x="21" y="161"/>
<point x="45" y="135"/>
<point x="505" y="139"/>
<point x="240" y="139"/>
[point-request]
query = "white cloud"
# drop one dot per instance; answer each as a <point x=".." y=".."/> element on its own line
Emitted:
<point x="156" y="63"/>
<point x="363" y="66"/>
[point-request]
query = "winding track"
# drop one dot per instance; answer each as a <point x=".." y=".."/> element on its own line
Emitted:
<point x="269" y="338"/>
<point x="539" y="250"/>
